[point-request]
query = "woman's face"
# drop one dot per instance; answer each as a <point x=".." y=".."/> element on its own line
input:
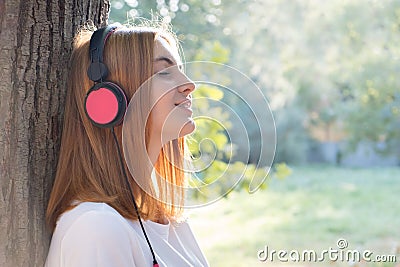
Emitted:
<point x="171" y="116"/>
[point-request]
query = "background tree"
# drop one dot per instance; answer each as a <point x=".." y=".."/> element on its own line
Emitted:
<point x="35" y="44"/>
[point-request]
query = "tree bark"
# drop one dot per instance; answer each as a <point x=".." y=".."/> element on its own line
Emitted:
<point x="35" y="41"/>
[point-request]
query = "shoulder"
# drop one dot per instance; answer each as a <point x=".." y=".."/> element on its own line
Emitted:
<point x="92" y="223"/>
<point x="95" y="234"/>
<point x="89" y="217"/>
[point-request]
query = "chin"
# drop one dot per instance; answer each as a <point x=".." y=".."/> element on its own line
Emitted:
<point x="188" y="128"/>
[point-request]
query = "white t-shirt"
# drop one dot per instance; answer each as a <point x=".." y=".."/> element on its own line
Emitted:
<point x="96" y="235"/>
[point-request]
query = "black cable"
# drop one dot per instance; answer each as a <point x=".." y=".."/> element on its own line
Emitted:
<point x="155" y="264"/>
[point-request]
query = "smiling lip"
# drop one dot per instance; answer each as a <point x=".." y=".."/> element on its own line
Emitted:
<point x="186" y="104"/>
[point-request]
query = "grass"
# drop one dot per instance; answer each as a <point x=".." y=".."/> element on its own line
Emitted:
<point x="311" y="209"/>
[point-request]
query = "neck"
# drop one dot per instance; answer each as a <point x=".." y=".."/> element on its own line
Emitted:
<point x="154" y="148"/>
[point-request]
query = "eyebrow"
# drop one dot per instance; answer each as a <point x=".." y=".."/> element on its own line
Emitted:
<point x="168" y="60"/>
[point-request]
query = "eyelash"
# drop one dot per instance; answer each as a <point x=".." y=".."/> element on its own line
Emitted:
<point x="163" y="73"/>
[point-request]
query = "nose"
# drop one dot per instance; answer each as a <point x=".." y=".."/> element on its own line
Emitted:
<point x="187" y="85"/>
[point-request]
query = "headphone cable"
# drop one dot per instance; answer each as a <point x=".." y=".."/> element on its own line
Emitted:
<point x="155" y="264"/>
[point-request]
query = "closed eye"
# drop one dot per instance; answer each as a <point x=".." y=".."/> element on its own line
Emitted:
<point x="164" y="73"/>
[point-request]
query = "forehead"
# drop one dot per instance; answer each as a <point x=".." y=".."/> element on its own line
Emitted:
<point x="162" y="48"/>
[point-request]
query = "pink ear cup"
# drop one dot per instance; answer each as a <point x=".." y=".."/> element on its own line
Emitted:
<point x="102" y="106"/>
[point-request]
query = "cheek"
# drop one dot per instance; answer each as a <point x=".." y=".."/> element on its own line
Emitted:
<point x="161" y="89"/>
<point x="161" y="109"/>
<point x="161" y="94"/>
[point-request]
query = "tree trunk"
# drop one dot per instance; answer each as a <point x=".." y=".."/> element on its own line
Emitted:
<point x="35" y="41"/>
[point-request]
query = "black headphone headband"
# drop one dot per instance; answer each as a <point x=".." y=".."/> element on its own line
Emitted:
<point x="97" y="70"/>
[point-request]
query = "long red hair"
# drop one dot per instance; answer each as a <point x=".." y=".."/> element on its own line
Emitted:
<point x="88" y="167"/>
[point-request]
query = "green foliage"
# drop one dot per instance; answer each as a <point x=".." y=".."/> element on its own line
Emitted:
<point x="210" y="144"/>
<point x="321" y="64"/>
<point x="282" y="170"/>
<point x="336" y="62"/>
<point x="213" y="51"/>
<point x="292" y="136"/>
<point x="194" y="21"/>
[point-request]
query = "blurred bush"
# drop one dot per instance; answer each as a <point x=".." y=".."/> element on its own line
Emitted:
<point x="328" y="68"/>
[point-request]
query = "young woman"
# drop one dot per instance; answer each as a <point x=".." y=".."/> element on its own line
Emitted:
<point x="108" y="209"/>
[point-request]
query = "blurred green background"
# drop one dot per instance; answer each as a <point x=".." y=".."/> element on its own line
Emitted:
<point x="329" y="71"/>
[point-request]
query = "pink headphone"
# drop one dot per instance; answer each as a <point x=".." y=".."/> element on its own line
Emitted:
<point x="105" y="102"/>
